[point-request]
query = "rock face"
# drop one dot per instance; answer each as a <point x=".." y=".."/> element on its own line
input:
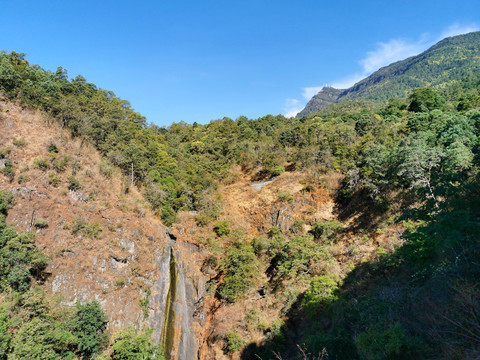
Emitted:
<point x="325" y="97"/>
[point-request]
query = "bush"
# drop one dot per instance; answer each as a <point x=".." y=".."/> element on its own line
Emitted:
<point x="321" y="291"/>
<point x="234" y="342"/>
<point x="130" y="345"/>
<point x="106" y="169"/>
<point x="52" y="149"/>
<point x="61" y="164"/>
<point x="40" y="223"/>
<point x="308" y="188"/>
<point x="54" y="180"/>
<point x="73" y="184"/>
<point x="241" y="272"/>
<point x="23" y="178"/>
<point x="326" y="230"/>
<point x="40" y="163"/>
<point x="285" y="197"/>
<point x="88" y="324"/>
<point x="277" y="170"/>
<point x="19" y="142"/>
<point x="7" y="200"/>
<point x="7" y="170"/>
<point x="222" y="228"/>
<point x="81" y="226"/>
<point x="385" y="344"/>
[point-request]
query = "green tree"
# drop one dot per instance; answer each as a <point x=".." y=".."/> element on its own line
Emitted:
<point x="88" y="324"/>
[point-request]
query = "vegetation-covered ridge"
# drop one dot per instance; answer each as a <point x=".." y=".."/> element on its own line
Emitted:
<point x="439" y="67"/>
<point x="410" y="180"/>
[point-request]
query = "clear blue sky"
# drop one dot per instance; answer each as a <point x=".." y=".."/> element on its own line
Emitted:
<point x="203" y="60"/>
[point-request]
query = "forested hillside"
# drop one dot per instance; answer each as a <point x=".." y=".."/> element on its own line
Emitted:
<point x="390" y="271"/>
<point x="439" y="67"/>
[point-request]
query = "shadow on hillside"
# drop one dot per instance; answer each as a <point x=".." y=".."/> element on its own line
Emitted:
<point x="401" y="306"/>
<point x="367" y="213"/>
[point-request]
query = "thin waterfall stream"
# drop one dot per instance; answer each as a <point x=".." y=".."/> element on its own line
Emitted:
<point x="167" y="337"/>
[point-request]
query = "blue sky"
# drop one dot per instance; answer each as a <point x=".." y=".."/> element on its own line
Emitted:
<point x="203" y="60"/>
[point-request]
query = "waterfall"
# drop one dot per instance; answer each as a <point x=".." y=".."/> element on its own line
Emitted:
<point x="167" y="336"/>
<point x="170" y="315"/>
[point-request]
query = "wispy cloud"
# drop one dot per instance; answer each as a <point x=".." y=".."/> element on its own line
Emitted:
<point x="292" y="107"/>
<point x="459" y="29"/>
<point x="309" y="92"/>
<point x="384" y="53"/>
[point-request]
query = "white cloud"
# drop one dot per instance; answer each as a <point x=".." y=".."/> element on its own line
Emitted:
<point x="348" y="81"/>
<point x="293" y="107"/>
<point x="459" y="29"/>
<point x="389" y="52"/>
<point x="383" y="54"/>
<point x="309" y="92"/>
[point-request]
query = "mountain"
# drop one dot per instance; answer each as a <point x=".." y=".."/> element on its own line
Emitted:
<point x="325" y="97"/>
<point x="440" y="66"/>
<point x="354" y="232"/>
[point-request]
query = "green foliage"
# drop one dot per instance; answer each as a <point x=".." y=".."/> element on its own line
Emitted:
<point x="80" y="226"/>
<point x="241" y="270"/>
<point x="7" y="170"/>
<point x="74" y="184"/>
<point x="20" y="261"/>
<point x="300" y="256"/>
<point x="326" y="230"/>
<point x="385" y="344"/>
<point x="88" y="324"/>
<point x="129" y="344"/>
<point x="7" y="201"/>
<point x="425" y="99"/>
<point x="277" y="170"/>
<point x="321" y="291"/>
<point x="234" y="342"/>
<point x="19" y="142"/>
<point x="41" y="163"/>
<point x="284" y="197"/>
<point x="222" y="228"/>
<point x="54" y="180"/>
<point x="40" y="223"/>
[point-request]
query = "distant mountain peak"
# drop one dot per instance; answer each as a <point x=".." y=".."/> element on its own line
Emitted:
<point x="451" y="59"/>
<point x="328" y="95"/>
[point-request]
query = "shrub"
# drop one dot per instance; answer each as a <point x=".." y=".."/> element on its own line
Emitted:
<point x="234" y="342"/>
<point x="61" y="165"/>
<point x="7" y="200"/>
<point x="74" y="184"/>
<point x="277" y="170"/>
<point x="19" y="142"/>
<point x="4" y="152"/>
<point x="241" y="272"/>
<point x="326" y="230"/>
<point x="40" y="163"/>
<point x="23" y="178"/>
<point x="40" y="223"/>
<point x="7" y="170"/>
<point x="106" y="169"/>
<point x="321" y="290"/>
<point x="297" y="226"/>
<point x="54" y="180"/>
<point x="88" y="324"/>
<point x="81" y="226"/>
<point x="308" y="188"/>
<point x="130" y="345"/>
<point x="52" y="149"/>
<point x="385" y="344"/>
<point x="285" y="197"/>
<point x="222" y="228"/>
